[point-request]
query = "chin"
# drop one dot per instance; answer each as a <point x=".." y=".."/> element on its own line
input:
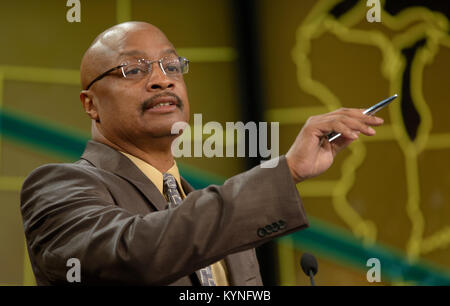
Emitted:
<point x="161" y="125"/>
<point x="161" y="131"/>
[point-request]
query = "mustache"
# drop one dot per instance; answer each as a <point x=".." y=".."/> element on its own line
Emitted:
<point x="146" y="104"/>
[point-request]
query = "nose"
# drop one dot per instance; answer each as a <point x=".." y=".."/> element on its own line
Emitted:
<point x="158" y="80"/>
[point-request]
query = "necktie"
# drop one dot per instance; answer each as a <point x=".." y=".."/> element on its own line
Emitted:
<point x="174" y="198"/>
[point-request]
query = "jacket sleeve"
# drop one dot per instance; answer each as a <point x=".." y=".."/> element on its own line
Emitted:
<point x="68" y="212"/>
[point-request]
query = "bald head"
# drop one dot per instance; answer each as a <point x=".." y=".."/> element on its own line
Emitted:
<point x="107" y="47"/>
<point x="123" y="109"/>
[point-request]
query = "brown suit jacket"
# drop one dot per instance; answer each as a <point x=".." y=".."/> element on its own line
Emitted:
<point x="105" y="212"/>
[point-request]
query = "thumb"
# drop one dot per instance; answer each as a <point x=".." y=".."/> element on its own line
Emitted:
<point x="340" y="143"/>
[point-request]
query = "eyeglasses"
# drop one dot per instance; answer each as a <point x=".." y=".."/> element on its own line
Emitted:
<point x="171" y="66"/>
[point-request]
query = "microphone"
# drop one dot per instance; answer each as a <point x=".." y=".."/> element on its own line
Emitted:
<point x="309" y="265"/>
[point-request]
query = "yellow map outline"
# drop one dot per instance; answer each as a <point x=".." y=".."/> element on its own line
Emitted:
<point x="434" y="27"/>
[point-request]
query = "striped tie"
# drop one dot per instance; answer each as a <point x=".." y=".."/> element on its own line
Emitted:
<point x="174" y="198"/>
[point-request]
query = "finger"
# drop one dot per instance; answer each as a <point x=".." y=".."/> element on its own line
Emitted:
<point x="351" y="126"/>
<point x="364" y="121"/>
<point x="358" y="113"/>
<point x="347" y="122"/>
<point x="324" y="125"/>
<point x="372" y="120"/>
<point x="353" y="112"/>
<point x="358" y="126"/>
<point x="346" y="131"/>
<point x="340" y="144"/>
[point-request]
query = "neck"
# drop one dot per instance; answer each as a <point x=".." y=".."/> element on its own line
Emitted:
<point x="156" y="152"/>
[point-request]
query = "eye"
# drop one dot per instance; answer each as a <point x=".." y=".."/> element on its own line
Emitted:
<point x="134" y="71"/>
<point x="172" y="67"/>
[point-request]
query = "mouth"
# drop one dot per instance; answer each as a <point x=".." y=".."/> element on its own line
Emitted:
<point x="162" y="104"/>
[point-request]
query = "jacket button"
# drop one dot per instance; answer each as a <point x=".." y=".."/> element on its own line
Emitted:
<point x="282" y="224"/>
<point x="261" y="232"/>
<point x="275" y="227"/>
<point x="269" y="229"/>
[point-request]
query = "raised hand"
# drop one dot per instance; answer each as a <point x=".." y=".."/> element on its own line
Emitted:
<point x="312" y="154"/>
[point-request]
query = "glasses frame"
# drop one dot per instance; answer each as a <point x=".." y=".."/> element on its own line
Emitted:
<point x="149" y="63"/>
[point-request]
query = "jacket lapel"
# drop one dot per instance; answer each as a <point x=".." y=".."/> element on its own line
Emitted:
<point x="107" y="158"/>
<point x="187" y="188"/>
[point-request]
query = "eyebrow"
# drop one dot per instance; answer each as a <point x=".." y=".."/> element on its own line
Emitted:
<point x="143" y="54"/>
<point x="169" y="51"/>
<point x="132" y="53"/>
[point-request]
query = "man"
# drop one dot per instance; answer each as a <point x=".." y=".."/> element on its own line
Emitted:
<point x="120" y="209"/>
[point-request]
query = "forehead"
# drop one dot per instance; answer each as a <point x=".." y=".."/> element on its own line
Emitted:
<point x="147" y="43"/>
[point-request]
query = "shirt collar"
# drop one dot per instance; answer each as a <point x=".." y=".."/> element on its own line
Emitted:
<point x="153" y="174"/>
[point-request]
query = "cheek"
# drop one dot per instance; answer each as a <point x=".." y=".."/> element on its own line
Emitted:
<point x="117" y="106"/>
<point x="184" y="97"/>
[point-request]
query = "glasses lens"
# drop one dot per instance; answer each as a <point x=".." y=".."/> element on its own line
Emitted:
<point x="171" y="65"/>
<point x="184" y="65"/>
<point x="135" y="71"/>
<point x="174" y="65"/>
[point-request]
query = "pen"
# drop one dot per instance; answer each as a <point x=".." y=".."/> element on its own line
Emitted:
<point x="370" y="111"/>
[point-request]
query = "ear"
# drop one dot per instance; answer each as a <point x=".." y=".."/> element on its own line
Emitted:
<point x="87" y="100"/>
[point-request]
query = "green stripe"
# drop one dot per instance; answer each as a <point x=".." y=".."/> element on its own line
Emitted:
<point x="70" y="144"/>
<point x="321" y="238"/>
<point x="41" y="135"/>
<point x="334" y="243"/>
